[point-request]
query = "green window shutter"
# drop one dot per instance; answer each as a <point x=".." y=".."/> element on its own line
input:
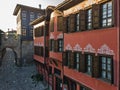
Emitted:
<point x="96" y="67"/>
<point x="64" y="58"/>
<point x="82" y="20"/>
<point x="72" y="22"/>
<point x="64" y="24"/>
<point x="60" y="23"/>
<point x="52" y="24"/>
<point x="82" y="63"/>
<point x="96" y="16"/>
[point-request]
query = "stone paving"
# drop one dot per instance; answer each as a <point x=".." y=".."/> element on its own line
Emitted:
<point x="17" y="78"/>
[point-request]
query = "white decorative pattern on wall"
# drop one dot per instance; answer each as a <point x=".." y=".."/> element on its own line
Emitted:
<point x="68" y="47"/>
<point x="89" y="48"/>
<point x="51" y="36"/>
<point x="60" y="36"/>
<point x="39" y="44"/>
<point x="77" y="48"/>
<point x="104" y="49"/>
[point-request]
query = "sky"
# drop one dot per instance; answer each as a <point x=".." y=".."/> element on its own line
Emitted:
<point x="8" y="20"/>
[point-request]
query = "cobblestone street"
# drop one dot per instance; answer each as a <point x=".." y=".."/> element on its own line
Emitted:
<point x="17" y="78"/>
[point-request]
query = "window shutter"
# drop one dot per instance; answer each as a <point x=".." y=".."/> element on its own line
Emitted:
<point x="56" y="45"/>
<point x="38" y="32"/>
<point x="60" y="23"/>
<point x="46" y="28"/>
<point x="52" y="24"/>
<point x="64" y="58"/>
<point x="80" y="59"/>
<point x="82" y="63"/>
<point x="46" y="52"/>
<point x="72" y="22"/>
<point x="96" y="16"/>
<point x="41" y="31"/>
<point x="50" y="41"/>
<point x="112" y="79"/>
<point x="41" y="51"/>
<point x="65" y="25"/>
<point x="82" y="20"/>
<point x="96" y="67"/>
<point x="72" y="60"/>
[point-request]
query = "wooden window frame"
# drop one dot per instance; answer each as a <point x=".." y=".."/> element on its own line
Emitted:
<point x="77" y="22"/>
<point x="77" y="62"/>
<point x="105" y="69"/>
<point x="106" y="18"/>
<point x="89" y="20"/>
<point x="60" y="46"/>
<point x="87" y="64"/>
<point x="68" y="57"/>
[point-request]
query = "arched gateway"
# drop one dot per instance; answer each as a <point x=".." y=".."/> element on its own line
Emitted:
<point x="13" y="42"/>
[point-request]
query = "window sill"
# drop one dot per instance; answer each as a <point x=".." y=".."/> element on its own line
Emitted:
<point x="88" y="30"/>
<point x="105" y="80"/>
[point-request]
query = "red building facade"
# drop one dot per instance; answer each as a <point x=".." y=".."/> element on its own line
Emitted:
<point x="90" y="46"/>
<point x="84" y="45"/>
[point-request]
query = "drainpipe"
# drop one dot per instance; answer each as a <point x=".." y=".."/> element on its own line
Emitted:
<point x="117" y="7"/>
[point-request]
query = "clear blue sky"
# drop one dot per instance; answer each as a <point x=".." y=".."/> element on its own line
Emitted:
<point x="7" y="20"/>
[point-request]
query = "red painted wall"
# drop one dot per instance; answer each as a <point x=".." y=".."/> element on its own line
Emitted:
<point x="96" y="38"/>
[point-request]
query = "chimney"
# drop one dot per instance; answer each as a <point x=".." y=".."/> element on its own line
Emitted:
<point x="39" y="6"/>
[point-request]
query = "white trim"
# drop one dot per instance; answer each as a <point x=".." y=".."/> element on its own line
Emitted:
<point x="68" y="47"/>
<point x="89" y="48"/>
<point x="77" y="48"/>
<point x="51" y="36"/>
<point x="60" y="36"/>
<point x="104" y="49"/>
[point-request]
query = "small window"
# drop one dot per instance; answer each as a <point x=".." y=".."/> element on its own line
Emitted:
<point x="89" y="19"/>
<point x="32" y="16"/>
<point x="106" y="68"/>
<point x="88" y="60"/>
<point x="107" y="14"/>
<point x="77" y="20"/>
<point x="60" y="45"/>
<point x="23" y="31"/>
<point x="24" y="15"/>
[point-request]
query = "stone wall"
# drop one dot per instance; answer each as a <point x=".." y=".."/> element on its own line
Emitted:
<point x="27" y="51"/>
